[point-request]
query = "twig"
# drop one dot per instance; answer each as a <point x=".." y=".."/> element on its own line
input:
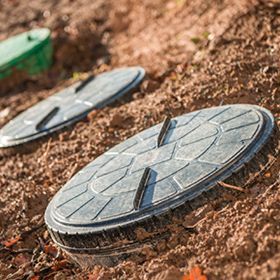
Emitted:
<point x="35" y="254"/>
<point x="232" y="187"/>
<point x="193" y="226"/>
<point x="47" y="150"/>
<point x="73" y="171"/>
<point x="23" y="250"/>
<point x="271" y="187"/>
<point x="41" y="243"/>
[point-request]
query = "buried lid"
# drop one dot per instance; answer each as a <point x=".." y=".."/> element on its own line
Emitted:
<point x="20" y="47"/>
<point x="70" y="105"/>
<point x="158" y="169"/>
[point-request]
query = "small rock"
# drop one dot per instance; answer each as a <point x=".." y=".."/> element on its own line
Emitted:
<point x="246" y="248"/>
<point x="4" y="113"/>
<point x="150" y="86"/>
<point x="92" y="115"/>
<point x="117" y="120"/>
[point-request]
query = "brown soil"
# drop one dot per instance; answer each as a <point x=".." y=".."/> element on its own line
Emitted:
<point x="197" y="54"/>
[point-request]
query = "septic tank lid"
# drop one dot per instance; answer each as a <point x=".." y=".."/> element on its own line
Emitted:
<point x="17" y="48"/>
<point x="70" y="105"/>
<point x="159" y="169"/>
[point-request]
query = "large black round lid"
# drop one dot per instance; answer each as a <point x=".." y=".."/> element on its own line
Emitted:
<point x="70" y="105"/>
<point x="156" y="170"/>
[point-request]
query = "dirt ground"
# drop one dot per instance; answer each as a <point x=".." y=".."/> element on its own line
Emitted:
<point x="197" y="54"/>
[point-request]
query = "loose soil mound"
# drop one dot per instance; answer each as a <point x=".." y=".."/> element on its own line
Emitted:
<point x="197" y="54"/>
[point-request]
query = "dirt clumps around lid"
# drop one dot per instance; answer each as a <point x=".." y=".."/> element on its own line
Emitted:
<point x="200" y="54"/>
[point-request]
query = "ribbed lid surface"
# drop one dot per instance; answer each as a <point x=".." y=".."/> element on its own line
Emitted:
<point x="158" y="169"/>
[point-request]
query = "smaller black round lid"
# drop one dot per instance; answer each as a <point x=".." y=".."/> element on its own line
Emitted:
<point x="70" y="105"/>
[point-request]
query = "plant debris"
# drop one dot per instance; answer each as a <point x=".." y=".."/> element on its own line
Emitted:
<point x="195" y="274"/>
<point x="11" y="242"/>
